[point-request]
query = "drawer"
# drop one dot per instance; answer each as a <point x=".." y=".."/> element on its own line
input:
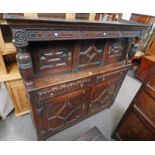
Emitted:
<point x="65" y="88"/>
<point x="110" y="75"/>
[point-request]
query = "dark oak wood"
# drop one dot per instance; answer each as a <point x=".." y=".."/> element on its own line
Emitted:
<point x="71" y="69"/>
<point x="138" y="123"/>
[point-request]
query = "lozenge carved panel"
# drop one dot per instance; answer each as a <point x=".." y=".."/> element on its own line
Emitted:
<point x="65" y="110"/>
<point x="103" y="96"/>
<point x="91" y="53"/>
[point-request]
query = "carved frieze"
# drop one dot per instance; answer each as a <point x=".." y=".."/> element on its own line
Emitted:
<point x="23" y="36"/>
<point x="111" y="75"/>
<point x="63" y="89"/>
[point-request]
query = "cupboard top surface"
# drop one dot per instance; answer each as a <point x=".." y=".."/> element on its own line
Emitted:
<point x="16" y="20"/>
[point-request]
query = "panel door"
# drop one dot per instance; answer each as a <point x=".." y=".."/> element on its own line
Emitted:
<point x="117" y="50"/>
<point x="91" y="53"/>
<point x="52" y="57"/>
<point x="63" y="111"/>
<point x="104" y="94"/>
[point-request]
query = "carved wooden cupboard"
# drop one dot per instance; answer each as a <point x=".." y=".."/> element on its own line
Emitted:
<point x="71" y="69"/>
<point x="138" y="123"/>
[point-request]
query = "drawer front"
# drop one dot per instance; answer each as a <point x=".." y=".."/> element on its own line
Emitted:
<point x="111" y="75"/>
<point x="65" y="88"/>
<point x="64" y="111"/>
<point x="133" y="129"/>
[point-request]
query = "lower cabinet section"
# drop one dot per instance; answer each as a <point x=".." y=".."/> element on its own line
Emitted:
<point x="60" y="106"/>
<point x="18" y="94"/>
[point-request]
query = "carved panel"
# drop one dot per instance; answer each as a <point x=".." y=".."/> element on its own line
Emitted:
<point x="20" y="37"/>
<point x="63" y="89"/>
<point x="104" y="94"/>
<point x="116" y="48"/>
<point x="115" y="74"/>
<point x="53" y="58"/>
<point x="65" y="111"/>
<point x="90" y="53"/>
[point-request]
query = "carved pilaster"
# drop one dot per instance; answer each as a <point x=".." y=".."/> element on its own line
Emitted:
<point x="23" y="57"/>
<point x="25" y="66"/>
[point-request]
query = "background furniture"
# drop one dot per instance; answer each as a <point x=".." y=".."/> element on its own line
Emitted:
<point x="9" y="72"/>
<point x="147" y="46"/>
<point x="108" y="16"/>
<point x="145" y="19"/>
<point x="146" y="64"/>
<point x="71" y="69"/>
<point x="138" y="123"/>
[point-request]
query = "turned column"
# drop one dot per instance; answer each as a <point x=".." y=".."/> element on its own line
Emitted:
<point x="23" y="57"/>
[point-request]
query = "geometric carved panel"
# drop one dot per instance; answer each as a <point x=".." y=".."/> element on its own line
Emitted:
<point x="103" y="95"/>
<point x="65" y="111"/>
<point x="116" y="48"/>
<point x="54" y="57"/>
<point x="90" y="53"/>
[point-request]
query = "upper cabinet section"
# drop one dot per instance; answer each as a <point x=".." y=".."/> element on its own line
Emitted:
<point x="46" y="46"/>
<point x="27" y="29"/>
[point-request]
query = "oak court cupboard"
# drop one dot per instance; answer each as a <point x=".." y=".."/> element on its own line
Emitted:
<point x="71" y="69"/>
